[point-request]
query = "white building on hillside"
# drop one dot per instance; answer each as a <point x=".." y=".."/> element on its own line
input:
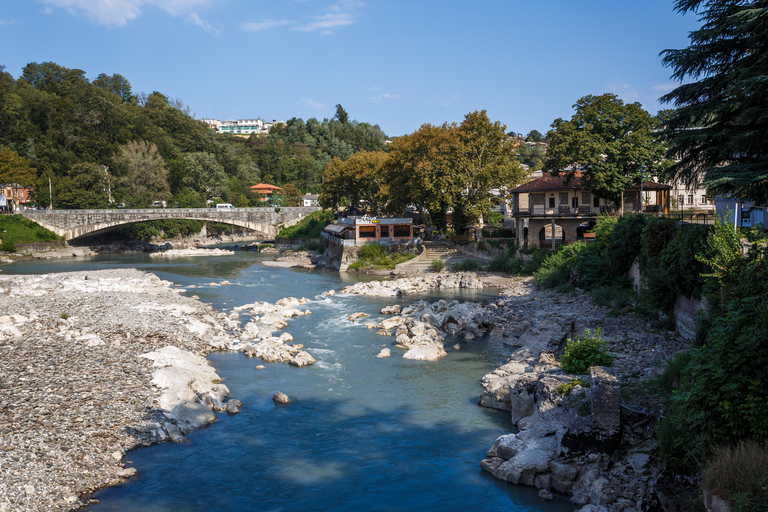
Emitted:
<point x="241" y="126"/>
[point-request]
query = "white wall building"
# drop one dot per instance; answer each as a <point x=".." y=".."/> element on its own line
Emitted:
<point x="241" y="126"/>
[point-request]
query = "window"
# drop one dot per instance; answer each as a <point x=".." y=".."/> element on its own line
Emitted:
<point x="367" y="232"/>
<point x="680" y="200"/>
<point x="402" y="230"/>
<point x="575" y="202"/>
<point x="551" y="202"/>
<point x="384" y="231"/>
<point x="704" y="200"/>
<point x="596" y="201"/>
<point x="690" y="198"/>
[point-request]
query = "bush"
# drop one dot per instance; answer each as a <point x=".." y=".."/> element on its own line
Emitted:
<point x="740" y="474"/>
<point x="310" y="226"/>
<point x="567" y="387"/>
<point x="612" y="297"/>
<point x="586" y="351"/>
<point x="312" y="245"/>
<point x="437" y="265"/>
<point x="378" y="256"/>
<point x="467" y="265"/>
<point x="555" y="270"/>
<point x="7" y="246"/>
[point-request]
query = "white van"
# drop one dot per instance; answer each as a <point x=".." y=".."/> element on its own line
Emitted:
<point x="224" y="206"/>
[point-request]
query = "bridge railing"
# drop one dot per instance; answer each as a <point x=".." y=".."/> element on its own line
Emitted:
<point x="173" y="210"/>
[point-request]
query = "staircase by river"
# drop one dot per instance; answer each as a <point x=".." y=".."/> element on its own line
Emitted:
<point x="437" y="250"/>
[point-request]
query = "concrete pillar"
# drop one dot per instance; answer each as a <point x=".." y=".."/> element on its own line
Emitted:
<point x="554" y="240"/>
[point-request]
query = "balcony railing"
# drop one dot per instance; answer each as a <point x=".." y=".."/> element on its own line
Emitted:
<point x="577" y="211"/>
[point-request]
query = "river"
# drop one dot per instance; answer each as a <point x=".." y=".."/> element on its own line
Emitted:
<point x="360" y="433"/>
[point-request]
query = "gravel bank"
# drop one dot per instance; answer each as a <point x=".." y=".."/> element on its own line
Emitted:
<point x="76" y="392"/>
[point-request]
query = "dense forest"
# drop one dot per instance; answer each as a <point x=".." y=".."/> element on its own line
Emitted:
<point x="101" y="145"/>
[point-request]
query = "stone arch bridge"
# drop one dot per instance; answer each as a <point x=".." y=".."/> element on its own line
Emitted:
<point x="72" y="224"/>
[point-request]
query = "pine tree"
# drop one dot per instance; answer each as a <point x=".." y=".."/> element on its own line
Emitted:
<point x="720" y="130"/>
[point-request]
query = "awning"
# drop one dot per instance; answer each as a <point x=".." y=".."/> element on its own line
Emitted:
<point x="337" y="229"/>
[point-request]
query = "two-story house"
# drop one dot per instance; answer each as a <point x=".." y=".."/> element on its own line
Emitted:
<point x="552" y="210"/>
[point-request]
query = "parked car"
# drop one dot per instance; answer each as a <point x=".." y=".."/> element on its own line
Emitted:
<point x="224" y="206"/>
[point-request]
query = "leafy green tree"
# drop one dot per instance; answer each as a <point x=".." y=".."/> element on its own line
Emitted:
<point x="204" y="174"/>
<point x="143" y="175"/>
<point x="292" y="196"/>
<point x="83" y="187"/>
<point x="116" y="84"/>
<point x="15" y="171"/>
<point x="358" y="182"/>
<point x="341" y="114"/>
<point x="486" y="159"/>
<point x="534" y="136"/>
<point x="612" y="141"/>
<point x="720" y="131"/>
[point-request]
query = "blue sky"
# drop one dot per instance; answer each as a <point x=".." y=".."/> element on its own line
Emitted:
<point x="396" y="63"/>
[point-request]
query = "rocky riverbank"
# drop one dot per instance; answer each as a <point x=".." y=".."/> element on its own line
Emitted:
<point x="588" y="443"/>
<point x="94" y="364"/>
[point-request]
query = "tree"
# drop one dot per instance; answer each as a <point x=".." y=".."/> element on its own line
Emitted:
<point x="720" y="130"/>
<point x="359" y="182"/>
<point x="84" y="187"/>
<point x="534" y="136"/>
<point x="292" y="196"/>
<point x="341" y="114"/>
<point x="486" y="160"/>
<point x="614" y="143"/>
<point x="204" y="174"/>
<point x="143" y="176"/>
<point x="16" y="172"/>
<point x="116" y="84"/>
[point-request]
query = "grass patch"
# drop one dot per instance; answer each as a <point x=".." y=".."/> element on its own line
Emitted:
<point x="15" y="229"/>
<point x="567" y="387"/>
<point x="377" y="256"/>
<point x="466" y="265"/>
<point x="740" y="473"/>
<point x="310" y="226"/>
<point x="612" y="297"/>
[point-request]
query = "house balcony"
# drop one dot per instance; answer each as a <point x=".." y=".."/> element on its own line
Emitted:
<point x="581" y="211"/>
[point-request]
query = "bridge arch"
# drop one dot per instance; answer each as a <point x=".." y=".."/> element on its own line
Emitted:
<point x="72" y="224"/>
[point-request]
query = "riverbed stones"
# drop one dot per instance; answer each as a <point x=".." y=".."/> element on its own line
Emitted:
<point x="280" y="398"/>
<point x="595" y="461"/>
<point x="355" y="316"/>
<point x="385" y="352"/>
<point x="76" y="392"/>
<point x="418" y="284"/>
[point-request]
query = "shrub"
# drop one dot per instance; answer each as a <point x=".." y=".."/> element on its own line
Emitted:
<point x="612" y="297"/>
<point x="310" y="226"/>
<point x="740" y="473"/>
<point x="7" y="246"/>
<point x="437" y="265"/>
<point x="585" y="351"/>
<point x="567" y="387"/>
<point x="482" y="246"/>
<point x="372" y="251"/>
<point x="467" y="265"/>
<point x="556" y="268"/>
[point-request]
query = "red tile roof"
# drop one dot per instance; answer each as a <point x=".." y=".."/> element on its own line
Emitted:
<point x="549" y="182"/>
<point x="264" y="187"/>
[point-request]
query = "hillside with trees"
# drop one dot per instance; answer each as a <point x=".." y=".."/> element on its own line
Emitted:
<point x="102" y="145"/>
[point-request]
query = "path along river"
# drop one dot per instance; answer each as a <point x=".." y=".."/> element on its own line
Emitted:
<point x="360" y="433"/>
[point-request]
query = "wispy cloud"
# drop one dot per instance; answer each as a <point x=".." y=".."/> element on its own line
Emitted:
<point x="258" y="26"/>
<point x="341" y="14"/>
<point x="7" y="22"/>
<point x="204" y="24"/>
<point x="385" y="96"/>
<point x="119" y="12"/>
<point x="309" y="102"/>
<point x="446" y="101"/>
<point x="623" y="90"/>
<point x="664" y="88"/>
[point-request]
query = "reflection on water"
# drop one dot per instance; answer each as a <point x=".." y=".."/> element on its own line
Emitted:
<point x="360" y="433"/>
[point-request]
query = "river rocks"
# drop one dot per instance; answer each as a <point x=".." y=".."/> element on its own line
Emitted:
<point x="280" y="398"/>
<point x="184" y="253"/>
<point x="355" y="316"/>
<point x="391" y="310"/>
<point x="301" y="259"/>
<point x="76" y="393"/>
<point x="418" y="284"/>
<point x="385" y="352"/>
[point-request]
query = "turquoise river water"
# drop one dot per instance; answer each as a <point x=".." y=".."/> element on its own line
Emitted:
<point x="360" y="433"/>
